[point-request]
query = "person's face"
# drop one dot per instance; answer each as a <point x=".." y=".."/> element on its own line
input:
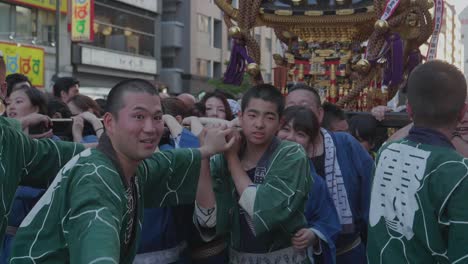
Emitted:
<point x="215" y="108"/>
<point x="306" y="99"/>
<point x="287" y="132"/>
<point x="340" y="126"/>
<point x="136" y="131"/>
<point x="74" y="90"/>
<point x="19" y="105"/>
<point x="74" y="109"/>
<point x="259" y="121"/>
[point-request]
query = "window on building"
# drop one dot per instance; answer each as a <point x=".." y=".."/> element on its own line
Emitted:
<point x="118" y="27"/>
<point x="27" y="25"/>
<point x="168" y="62"/>
<point x="203" y="23"/>
<point x="203" y="67"/>
<point x="217" y="70"/>
<point x="217" y="33"/>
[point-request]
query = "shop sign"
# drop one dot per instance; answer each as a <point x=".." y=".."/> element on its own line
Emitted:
<point x="151" y="5"/>
<point x="82" y="16"/>
<point x="44" y="4"/>
<point x="108" y="59"/>
<point x="26" y="60"/>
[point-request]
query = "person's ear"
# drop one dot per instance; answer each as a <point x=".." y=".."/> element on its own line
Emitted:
<point x="108" y="121"/>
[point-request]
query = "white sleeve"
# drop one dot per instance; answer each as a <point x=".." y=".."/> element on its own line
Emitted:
<point x="247" y="199"/>
<point x="205" y="217"/>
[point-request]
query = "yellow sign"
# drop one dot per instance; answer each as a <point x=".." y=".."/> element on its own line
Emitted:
<point x="47" y="4"/>
<point x="82" y="20"/>
<point x="25" y="60"/>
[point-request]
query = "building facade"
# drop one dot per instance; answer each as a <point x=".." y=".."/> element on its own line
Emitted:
<point x="127" y="41"/>
<point x="196" y="46"/>
<point x="27" y="39"/>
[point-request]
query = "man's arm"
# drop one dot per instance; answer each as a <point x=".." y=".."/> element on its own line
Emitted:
<point x="32" y="161"/>
<point x="170" y="177"/>
<point x="174" y="174"/>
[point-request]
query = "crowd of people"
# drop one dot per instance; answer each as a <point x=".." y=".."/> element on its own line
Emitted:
<point x="143" y="177"/>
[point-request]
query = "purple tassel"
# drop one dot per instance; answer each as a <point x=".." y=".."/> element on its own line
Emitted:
<point x="414" y="59"/>
<point x="393" y="74"/>
<point x="237" y="63"/>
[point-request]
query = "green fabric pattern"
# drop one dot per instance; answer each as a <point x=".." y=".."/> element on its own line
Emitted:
<point x="418" y="211"/>
<point x="27" y="162"/>
<point x="279" y="203"/>
<point x="84" y="215"/>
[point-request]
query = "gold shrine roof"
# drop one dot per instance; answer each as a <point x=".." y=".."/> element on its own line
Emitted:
<point x="315" y="20"/>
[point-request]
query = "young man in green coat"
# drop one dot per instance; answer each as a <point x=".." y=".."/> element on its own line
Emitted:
<point x="92" y="211"/>
<point x="259" y="187"/>
<point x="418" y="211"/>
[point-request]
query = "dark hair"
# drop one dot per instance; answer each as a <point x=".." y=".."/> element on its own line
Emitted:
<point x="102" y="105"/>
<point x="223" y="99"/>
<point x="226" y="94"/>
<point x="63" y="84"/>
<point x="54" y="105"/>
<point x="436" y="94"/>
<point x="84" y="103"/>
<point x="198" y="109"/>
<point x="303" y="119"/>
<point x="36" y="97"/>
<point x="115" y="100"/>
<point x="174" y="107"/>
<point x="13" y="79"/>
<point x="364" y="128"/>
<point x="331" y="113"/>
<point x="265" y="92"/>
<point x="305" y="87"/>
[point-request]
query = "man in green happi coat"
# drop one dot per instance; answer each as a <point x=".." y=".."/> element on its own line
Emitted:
<point x="92" y="211"/>
<point x="418" y="211"/>
<point x="260" y="190"/>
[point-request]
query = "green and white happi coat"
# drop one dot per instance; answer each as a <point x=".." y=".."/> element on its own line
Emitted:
<point x="279" y="202"/>
<point x="84" y="216"/>
<point x="419" y="205"/>
<point x="25" y="161"/>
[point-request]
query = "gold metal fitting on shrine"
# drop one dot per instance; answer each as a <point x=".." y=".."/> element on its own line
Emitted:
<point x="234" y="32"/>
<point x="362" y="66"/>
<point x="430" y="4"/>
<point x="381" y="25"/>
<point x="253" y="69"/>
